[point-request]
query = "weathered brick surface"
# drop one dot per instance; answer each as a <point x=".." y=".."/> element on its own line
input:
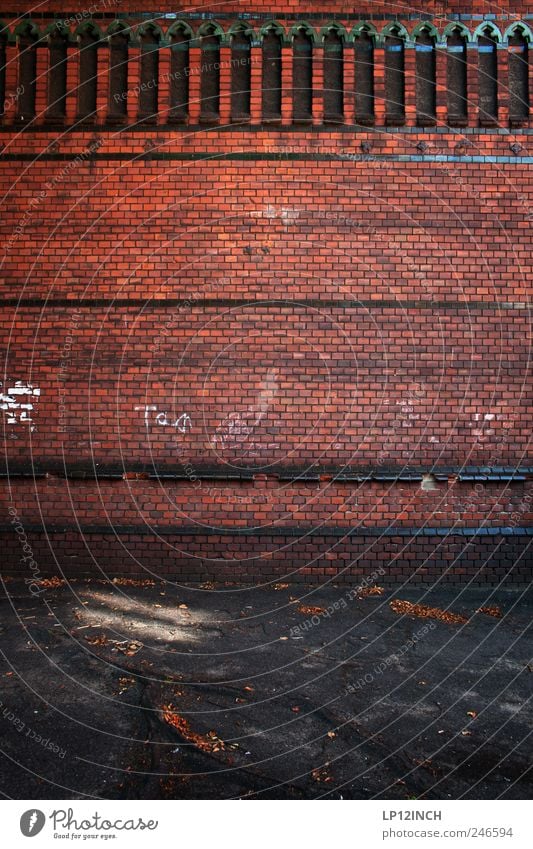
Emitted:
<point x="334" y="229"/>
<point x="373" y="385"/>
<point x="360" y="560"/>
<point x="262" y="503"/>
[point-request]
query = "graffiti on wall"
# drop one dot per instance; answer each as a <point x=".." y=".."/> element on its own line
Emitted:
<point x="240" y="430"/>
<point x="17" y="402"/>
<point x="181" y="423"/>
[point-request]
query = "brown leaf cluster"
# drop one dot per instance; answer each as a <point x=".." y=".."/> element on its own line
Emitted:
<point x="491" y="610"/>
<point x="51" y="583"/>
<point x="309" y="610"/>
<point x="365" y="591"/>
<point x="425" y="612"/>
<point x="322" y="775"/>
<point x="126" y="647"/>
<point x="97" y="640"/>
<point x="209" y="742"/>
<point x="133" y="582"/>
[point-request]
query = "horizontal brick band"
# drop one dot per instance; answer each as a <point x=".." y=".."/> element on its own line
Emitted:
<point x="403" y="557"/>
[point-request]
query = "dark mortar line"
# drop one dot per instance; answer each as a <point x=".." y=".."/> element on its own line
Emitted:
<point x="280" y="15"/>
<point x="318" y="303"/>
<point x="272" y="156"/>
<point x="307" y="474"/>
<point x="274" y="129"/>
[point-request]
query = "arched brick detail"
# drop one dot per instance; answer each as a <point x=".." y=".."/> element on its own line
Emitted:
<point x="364" y="42"/>
<point x="303" y="38"/>
<point x="150" y="38"/>
<point x="391" y="79"/>
<point x="487" y="40"/>
<point x="58" y="39"/>
<point x="271" y="46"/>
<point x="394" y="38"/>
<point x="210" y="38"/>
<point x="89" y="39"/>
<point x="425" y="83"/>
<point x="240" y="40"/>
<point x="179" y="38"/>
<point x="457" y="77"/>
<point x="519" y="46"/>
<point x="118" y="36"/>
<point x="333" y="40"/>
<point x="4" y="35"/>
<point x="27" y="36"/>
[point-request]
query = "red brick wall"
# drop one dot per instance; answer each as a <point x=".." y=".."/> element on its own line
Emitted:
<point x="318" y="336"/>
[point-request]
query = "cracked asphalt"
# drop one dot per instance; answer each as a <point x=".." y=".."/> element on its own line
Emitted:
<point x="218" y="692"/>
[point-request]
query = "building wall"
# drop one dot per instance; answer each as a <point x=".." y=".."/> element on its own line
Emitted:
<point x="239" y="349"/>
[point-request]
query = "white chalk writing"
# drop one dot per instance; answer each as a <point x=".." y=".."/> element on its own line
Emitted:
<point x="181" y="423"/>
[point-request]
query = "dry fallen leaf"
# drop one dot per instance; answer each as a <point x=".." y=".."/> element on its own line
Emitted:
<point x="331" y="734"/>
<point x="491" y="610"/>
<point x="126" y="647"/>
<point x="427" y="764"/>
<point x="98" y="640"/>
<point x="209" y="742"/>
<point x="365" y="591"/>
<point x="471" y="713"/>
<point x="321" y="774"/>
<point x="132" y="582"/>
<point x="309" y="610"/>
<point x="280" y="586"/>
<point x="51" y="583"/>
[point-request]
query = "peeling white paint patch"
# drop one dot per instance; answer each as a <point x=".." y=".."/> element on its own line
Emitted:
<point x="16" y="411"/>
<point x="288" y="214"/>
<point x="488" y="417"/>
<point x="21" y="388"/>
<point x="429" y="483"/>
